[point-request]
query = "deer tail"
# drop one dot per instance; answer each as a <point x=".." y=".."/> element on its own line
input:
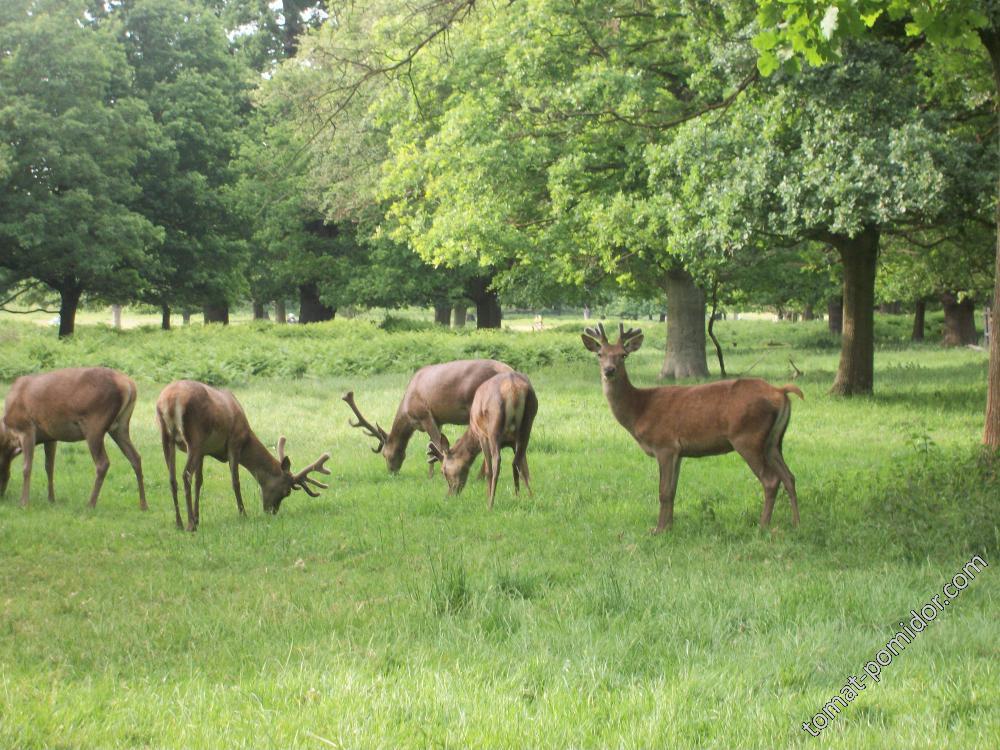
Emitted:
<point x="786" y="389"/>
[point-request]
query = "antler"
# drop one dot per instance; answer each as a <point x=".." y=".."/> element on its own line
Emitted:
<point x="434" y="454"/>
<point x="624" y="335"/>
<point x="376" y="432"/>
<point x="302" y="480"/>
<point x="598" y="333"/>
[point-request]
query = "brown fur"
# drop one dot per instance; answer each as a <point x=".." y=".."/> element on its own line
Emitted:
<point x="501" y="415"/>
<point x="205" y="421"/>
<point x="674" y="422"/>
<point x="70" y="405"/>
<point x="436" y="395"/>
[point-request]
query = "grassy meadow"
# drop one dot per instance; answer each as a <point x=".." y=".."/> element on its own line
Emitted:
<point x="384" y="614"/>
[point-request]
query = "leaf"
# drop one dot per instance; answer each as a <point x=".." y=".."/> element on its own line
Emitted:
<point x="767" y="63"/>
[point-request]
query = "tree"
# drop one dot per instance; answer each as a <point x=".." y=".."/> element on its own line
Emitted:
<point x="841" y="155"/>
<point x="816" y="31"/>
<point x="196" y="91"/>
<point x="72" y="136"/>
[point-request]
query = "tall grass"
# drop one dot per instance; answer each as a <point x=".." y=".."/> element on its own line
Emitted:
<point x="386" y="615"/>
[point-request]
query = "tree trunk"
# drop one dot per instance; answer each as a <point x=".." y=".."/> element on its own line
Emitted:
<point x="259" y="311"/>
<point x="165" y="317"/>
<point x="959" y="321"/>
<point x="280" y="313"/>
<point x="859" y="256"/>
<point x="685" y="355"/>
<point x="488" y="312"/>
<point x="186" y="317"/>
<point x="311" y="309"/>
<point x="216" y="312"/>
<point x="835" y="315"/>
<point x="991" y="429"/>
<point x="442" y="314"/>
<point x="808" y="313"/>
<point x="919" y="313"/>
<point x="116" y="316"/>
<point x="458" y="316"/>
<point x="69" y="301"/>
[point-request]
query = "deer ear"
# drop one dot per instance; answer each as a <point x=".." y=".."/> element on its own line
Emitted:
<point x="633" y="343"/>
<point x="592" y="344"/>
<point x="286" y="463"/>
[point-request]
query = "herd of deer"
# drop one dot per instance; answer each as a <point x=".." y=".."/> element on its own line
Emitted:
<point x="499" y="405"/>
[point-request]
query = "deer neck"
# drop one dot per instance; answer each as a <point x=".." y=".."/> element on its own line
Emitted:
<point x="624" y="398"/>
<point x="400" y="434"/>
<point x="257" y="459"/>
<point x="466" y="448"/>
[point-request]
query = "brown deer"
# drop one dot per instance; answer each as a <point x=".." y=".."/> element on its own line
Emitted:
<point x="70" y="405"/>
<point x="205" y="421"/>
<point x="436" y="395"/>
<point x="748" y="416"/>
<point x="501" y="415"/>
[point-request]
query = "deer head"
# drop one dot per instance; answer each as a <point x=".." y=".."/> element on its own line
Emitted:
<point x="276" y="487"/>
<point x="612" y="356"/>
<point x="454" y="466"/>
<point x="10" y="447"/>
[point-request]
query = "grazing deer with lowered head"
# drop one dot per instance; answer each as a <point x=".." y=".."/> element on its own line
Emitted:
<point x="748" y="416"/>
<point x="436" y="395"/>
<point x="205" y="421"/>
<point x="78" y="403"/>
<point x="501" y="415"/>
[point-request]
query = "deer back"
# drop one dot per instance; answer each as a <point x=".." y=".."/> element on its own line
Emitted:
<point x="213" y="419"/>
<point x="499" y="407"/>
<point x="447" y="390"/>
<point x="68" y="404"/>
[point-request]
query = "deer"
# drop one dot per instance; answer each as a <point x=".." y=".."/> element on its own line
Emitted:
<point x="746" y="415"/>
<point x="204" y="421"/>
<point x="436" y="395"/>
<point x="67" y="406"/>
<point x="501" y="415"/>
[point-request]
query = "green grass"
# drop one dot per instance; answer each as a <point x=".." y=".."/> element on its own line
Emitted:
<point x="384" y="614"/>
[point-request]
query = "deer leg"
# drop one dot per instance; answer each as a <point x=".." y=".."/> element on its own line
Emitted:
<point x="234" y="472"/>
<point x="670" y="469"/>
<point x="170" y="456"/>
<point x="787" y="479"/>
<point x="197" y="495"/>
<point x="754" y="455"/>
<point x="101" y="462"/>
<point x="28" y="451"/>
<point x="191" y="469"/>
<point x="124" y="443"/>
<point x="494" y="471"/>
<point x="50" y="468"/>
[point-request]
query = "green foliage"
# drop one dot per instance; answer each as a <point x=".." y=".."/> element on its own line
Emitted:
<point x="73" y="132"/>
<point x="223" y="356"/>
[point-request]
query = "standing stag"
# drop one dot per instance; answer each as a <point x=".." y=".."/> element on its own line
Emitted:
<point x="79" y="403"/>
<point x="205" y="421"/>
<point x="501" y="415"/>
<point x="748" y="416"/>
<point x="436" y="395"/>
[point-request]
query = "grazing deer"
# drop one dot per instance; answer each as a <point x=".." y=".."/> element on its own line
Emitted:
<point x="436" y="395"/>
<point x="78" y="403"/>
<point x="205" y="421"/>
<point x="501" y="415"/>
<point x="748" y="416"/>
